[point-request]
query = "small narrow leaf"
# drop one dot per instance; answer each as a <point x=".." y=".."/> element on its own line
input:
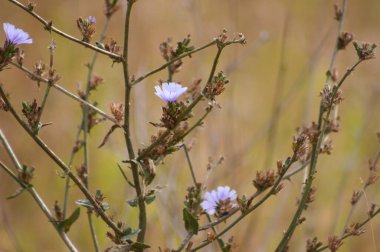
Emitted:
<point x="129" y="233"/>
<point x="132" y="202"/>
<point x="84" y="203"/>
<point x="191" y="223"/>
<point x="108" y="135"/>
<point x="17" y="193"/>
<point x="150" y="198"/>
<point x="66" y="224"/>
<point x="137" y="246"/>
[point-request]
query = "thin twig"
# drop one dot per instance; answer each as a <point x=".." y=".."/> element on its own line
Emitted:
<point x="158" y="69"/>
<point x="313" y="163"/>
<point x="85" y="111"/>
<point x="67" y="93"/>
<point x="353" y="206"/>
<point x="346" y="235"/>
<point x="127" y="135"/>
<point x="49" y="27"/>
<point x="99" y="210"/>
<point x="33" y="192"/>
<point x="316" y="146"/>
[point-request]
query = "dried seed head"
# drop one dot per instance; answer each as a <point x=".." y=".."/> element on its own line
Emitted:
<point x="334" y="242"/>
<point x="372" y="209"/>
<point x="313" y="245"/>
<point x="326" y="146"/>
<point x="82" y="173"/>
<point x="20" y="56"/>
<point x="26" y="174"/>
<point x="354" y="229"/>
<point x="264" y="179"/>
<point x="331" y="96"/>
<point x="311" y="196"/>
<point x="31" y="5"/>
<point x="210" y="236"/>
<point x="117" y="110"/>
<point x="86" y="27"/>
<point x="58" y="212"/>
<point x="39" y="71"/>
<point x="195" y="89"/>
<point x="356" y="196"/>
<point x="112" y="47"/>
<point x="301" y="146"/>
<point x="95" y="82"/>
<point x="216" y="86"/>
<point x="364" y="50"/>
<point x="372" y="178"/>
<point x="32" y="111"/>
<point x="111" y="7"/>
<point x="344" y="39"/>
<point x="338" y="13"/>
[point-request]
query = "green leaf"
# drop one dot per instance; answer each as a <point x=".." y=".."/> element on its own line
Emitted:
<point x="84" y="203"/>
<point x="66" y="224"/>
<point x="191" y="223"/>
<point x="132" y="202"/>
<point x="129" y="233"/>
<point x="150" y="198"/>
<point x="137" y="246"/>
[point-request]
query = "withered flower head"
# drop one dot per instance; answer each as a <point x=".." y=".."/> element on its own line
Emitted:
<point x="112" y="46"/>
<point x="117" y="110"/>
<point x="111" y="7"/>
<point x="331" y="96"/>
<point x="86" y="27"/>
<point x="364" y="50"/>
<point x="354" y="229"/>
<point x="344" y="39"/>
<point x="264" y="179"/>
<point x="334" y="243"/>
<point x="216" y="86"/>
<point x="301" y="146"/>
<point x="313" y="244"/>
<point x="26" y="174"/>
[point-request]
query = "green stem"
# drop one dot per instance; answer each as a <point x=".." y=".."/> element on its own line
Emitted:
<point x="47" y="91"/>
<point x="127" y="135"/>
<point x="313" y="163"/>
<point x="190" y="164"/>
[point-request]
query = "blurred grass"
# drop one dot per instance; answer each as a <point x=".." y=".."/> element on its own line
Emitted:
<point x="237" y="131"/>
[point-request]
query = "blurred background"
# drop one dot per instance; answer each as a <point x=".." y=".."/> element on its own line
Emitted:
<point x="289" y="48"/>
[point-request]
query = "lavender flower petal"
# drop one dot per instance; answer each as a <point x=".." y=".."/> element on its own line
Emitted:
<point x="169" y="92"/>
<point x="16" y="36"/>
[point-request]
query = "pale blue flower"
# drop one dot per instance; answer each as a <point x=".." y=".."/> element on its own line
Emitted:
<point x="215" y="199"/>
<point x="16" y="36"/>
<point x="91" y="20"/>
<point x="169" y="92"/>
